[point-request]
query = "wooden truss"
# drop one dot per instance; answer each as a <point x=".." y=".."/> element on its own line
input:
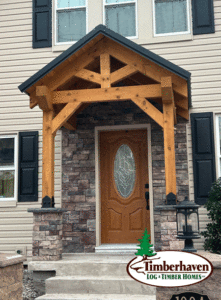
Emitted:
<point x="108" y="71"/>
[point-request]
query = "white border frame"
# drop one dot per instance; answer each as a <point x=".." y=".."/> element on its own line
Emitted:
<point x="10" y="168"/>
<point x="55" y="21"/>
<point x="123" y="3"/>
<point x="98" y="129"/>
<point x="172" y="33"/>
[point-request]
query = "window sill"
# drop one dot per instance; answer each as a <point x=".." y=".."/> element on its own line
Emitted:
<point x="153" y="40"/>
<point x="165" y="39"/>
<point x="8" y="203"/>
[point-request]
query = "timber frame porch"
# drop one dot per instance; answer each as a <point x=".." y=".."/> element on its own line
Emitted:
<point x="104" y="66"/>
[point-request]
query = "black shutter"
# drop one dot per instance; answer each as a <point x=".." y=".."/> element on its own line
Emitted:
<point x="42" y="23"/>
<point x="28" y="167"/>
<point x="203" y="155"/>
<point x="203" y="16"/>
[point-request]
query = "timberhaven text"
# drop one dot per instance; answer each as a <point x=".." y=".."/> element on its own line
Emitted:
<point x="149" y="266"/>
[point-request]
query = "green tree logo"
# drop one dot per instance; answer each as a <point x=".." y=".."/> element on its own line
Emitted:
<point x="145" y="246"/>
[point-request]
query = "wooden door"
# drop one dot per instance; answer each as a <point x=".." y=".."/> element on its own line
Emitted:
<point x="123" y="176"/>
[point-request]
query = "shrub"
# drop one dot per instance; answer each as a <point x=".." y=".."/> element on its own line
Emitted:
<point x="212" y="233"/>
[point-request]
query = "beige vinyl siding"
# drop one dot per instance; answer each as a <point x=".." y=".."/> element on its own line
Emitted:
<point x="202" y="57"/>
<point x="18" y="61"/>
<point x="16" y="223"/>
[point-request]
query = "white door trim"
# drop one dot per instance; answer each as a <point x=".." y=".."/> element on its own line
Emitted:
<point x="97" y="174"/>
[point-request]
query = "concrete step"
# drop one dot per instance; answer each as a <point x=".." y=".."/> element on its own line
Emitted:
<point x="95" y="297"/>
<point x="97" y="285"/>
<point x="116" y="249"/>
<point x="98" y="265"/>
<point x="86" y="264"/>
<point x="97" y="269"/>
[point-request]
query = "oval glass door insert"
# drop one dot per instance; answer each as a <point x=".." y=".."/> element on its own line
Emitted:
<point x="124" y="171"/>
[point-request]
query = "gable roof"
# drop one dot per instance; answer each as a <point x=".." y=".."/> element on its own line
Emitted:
<point x="101" y="29"/>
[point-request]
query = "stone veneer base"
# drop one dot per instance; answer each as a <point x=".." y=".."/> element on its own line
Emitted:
<point x="47" y="233"/>
<point x="165" y="215"/>
<point x="11" y="276"/>
<point x="78" y="169"/>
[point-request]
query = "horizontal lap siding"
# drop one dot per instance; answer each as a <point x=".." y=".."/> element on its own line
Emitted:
<point x="202" y="57"/>
<point x="18" y="61"/>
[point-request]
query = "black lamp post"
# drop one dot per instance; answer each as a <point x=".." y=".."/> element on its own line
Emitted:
<point x="187" y="223"/>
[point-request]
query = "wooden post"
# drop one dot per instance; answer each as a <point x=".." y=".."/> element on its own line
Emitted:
<point x="48" y="156"/>
<point x="105" y="70"/>
<point x="169" y="148"/>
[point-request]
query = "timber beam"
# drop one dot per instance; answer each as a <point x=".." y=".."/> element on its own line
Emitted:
<point x="149" y="109"/>
<point x="89" y="76"/>
<point x="33" y="101"/>
<point x="150" y="91"/>
<point x="105" y="70"/>
<point x="48" y="157"/>
<point x="182" y="112"/>
<point x="122" y="73"/>
<point x="169" y="147"/>
<point x="147" y="68"/>
<point x="43" y="96"/>
<point x="69" y="126"/>
<point x="64" y="115"/>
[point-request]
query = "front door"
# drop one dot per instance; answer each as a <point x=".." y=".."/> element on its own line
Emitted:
<point x="123" y="180"/>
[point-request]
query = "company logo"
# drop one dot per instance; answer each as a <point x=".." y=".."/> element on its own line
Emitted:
<point x="167" y="268"/>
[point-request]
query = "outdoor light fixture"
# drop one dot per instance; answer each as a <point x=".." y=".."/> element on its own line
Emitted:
<point x="187" y="223"/>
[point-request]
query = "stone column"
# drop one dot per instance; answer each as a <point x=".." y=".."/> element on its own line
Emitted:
<point x="11" y="276"/>
<point x="166" y="228"/>
<point x="47" y="233"/>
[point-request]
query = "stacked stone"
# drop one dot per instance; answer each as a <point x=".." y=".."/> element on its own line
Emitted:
<point x="182" y="177"/>
<point x="78" y="191"/>
<point x="47" y="234"/>
<point x="11" y="275"/>
<point x="165" y="217"/>
<point x="165" y="220"/>
<point x="78" y="169"/>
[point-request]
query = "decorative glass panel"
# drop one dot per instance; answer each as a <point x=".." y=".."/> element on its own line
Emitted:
<point x="170" y="16"/>
<point x="181" y="222"/>
<point x="121" y="19"/>
<point x="6" y="152"/>
<point x="70" y="3"/>
<point x="7" y="184"/>
<point x="192" y="221"/>
<point x="71" y="25"/>
<point x="124" y="171"/>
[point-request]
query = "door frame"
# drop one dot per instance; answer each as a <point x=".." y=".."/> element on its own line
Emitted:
<point x="98" y="129"/>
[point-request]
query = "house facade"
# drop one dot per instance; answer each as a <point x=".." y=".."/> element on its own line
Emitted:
<point x="185" y="38"/>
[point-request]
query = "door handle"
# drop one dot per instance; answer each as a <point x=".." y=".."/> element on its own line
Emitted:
<point x="147" y="200"/>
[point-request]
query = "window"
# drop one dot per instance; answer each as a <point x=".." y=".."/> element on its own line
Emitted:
<point x="171" y="17"/>
<point x="8" y="167"/>
<point x="71" y="20"/>
<point x="121" y="16"/>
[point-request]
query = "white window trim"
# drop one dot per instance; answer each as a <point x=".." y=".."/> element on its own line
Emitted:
<point x="171" y="33"/>
<point x="15" y="168"/>
<point x="123" y="3"/>
<point x="218" y="144"/>
<point x="144" y="23"/>
<point x="55" y="21"/>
